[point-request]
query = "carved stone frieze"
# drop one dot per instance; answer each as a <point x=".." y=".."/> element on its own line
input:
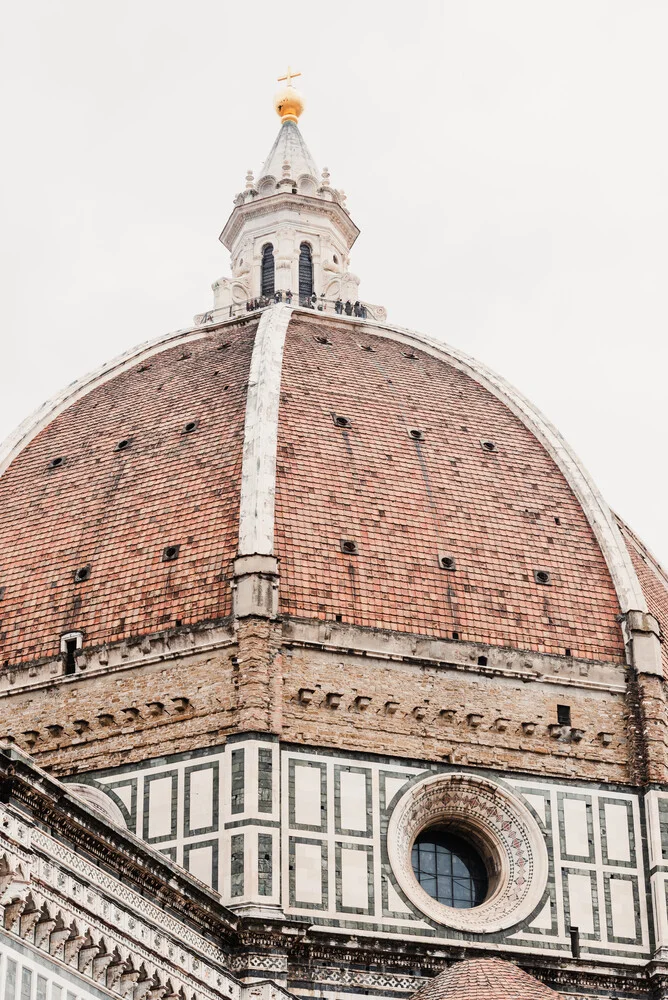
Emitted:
<point x="66" y="907"/>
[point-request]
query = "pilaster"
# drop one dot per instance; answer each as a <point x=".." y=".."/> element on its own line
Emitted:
<point x="255" y="586"/>
<point x="648" y="688"/>
<point x="255" y="681"/>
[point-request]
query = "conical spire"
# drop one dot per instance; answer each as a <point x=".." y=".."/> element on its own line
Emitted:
<point x="289" y="147"/>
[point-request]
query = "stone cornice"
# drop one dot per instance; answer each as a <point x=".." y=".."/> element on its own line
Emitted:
<point x="295" y="203"/>
<point x="341" y="957"/>
<point x="449" y="654"/>
<point x="127" y="654"/>
<point x="48" y="801"/>
<point x="79" y="917"/>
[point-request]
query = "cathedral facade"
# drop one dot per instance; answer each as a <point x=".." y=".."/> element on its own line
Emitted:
<point x="327" y="671"/>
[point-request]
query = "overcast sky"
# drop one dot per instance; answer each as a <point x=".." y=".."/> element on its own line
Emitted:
<point x="506" y="161"/>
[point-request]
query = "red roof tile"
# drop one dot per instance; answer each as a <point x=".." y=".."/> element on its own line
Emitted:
<point x="115" y="511"/>
<point x="491" y="978"/>
<point x="500" y="514"/>
<point x="404" y="502"/>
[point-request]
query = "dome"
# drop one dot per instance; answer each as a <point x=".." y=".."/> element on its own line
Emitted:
<point x="412" y="492"/>
<point x="491" y="978"/>
<point x="337" y="622"/>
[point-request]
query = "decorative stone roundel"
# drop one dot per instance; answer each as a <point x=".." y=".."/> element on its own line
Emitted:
<point x="498" y="824"/>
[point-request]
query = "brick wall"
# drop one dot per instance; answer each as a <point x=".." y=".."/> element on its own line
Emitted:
<point x="327" y="698"/>
<point x="489" y="721"/>
<point x="131" y="715"/>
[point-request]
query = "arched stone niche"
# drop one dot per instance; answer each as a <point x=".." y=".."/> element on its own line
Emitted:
<point x="96" y="799"/>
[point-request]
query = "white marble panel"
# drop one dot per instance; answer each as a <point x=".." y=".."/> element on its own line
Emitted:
<point x="617" y="831"/>
<point x="160" y="807"/>
<point x="392" y="786"/>
<point x="307" y="795"/>
<point x="200" y="863"/>
<point x="580" y="902"/>
<point x="353" y="801"/>
<point x="575" y="827"/>
<point x="354" y="884"/>
<point x="124" y="793"/>
<point x="622" y="908"/>
<point x="201" y="799"/>
<point x="544" y="918"/>
<point x="537" y="803"/>
<point x="308" y="873"/>
<point x="394" y="900"/>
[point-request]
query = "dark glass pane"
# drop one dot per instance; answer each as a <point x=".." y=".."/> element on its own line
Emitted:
<point x="449" y="869"/>
<point x="459" y="867"/>
<point x="443" y="863"/>
<point x="427" y="862"/>
<point x="462" y="889"/>
<point x="428" y="883"/>
<point x="305" y="273"/>
<point x="268" y="270"/>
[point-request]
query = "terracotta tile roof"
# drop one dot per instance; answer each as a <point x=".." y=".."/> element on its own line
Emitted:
<point x="491" y="978"/>
<point x="117" y="510"/>
<point x="500" y="514"/>
<point x="654" y="582"/>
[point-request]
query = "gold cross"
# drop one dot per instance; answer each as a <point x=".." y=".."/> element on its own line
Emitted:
<point x="288" y="77"/>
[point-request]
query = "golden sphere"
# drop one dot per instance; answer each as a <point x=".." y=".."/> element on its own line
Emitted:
<point x="289" y="104"/>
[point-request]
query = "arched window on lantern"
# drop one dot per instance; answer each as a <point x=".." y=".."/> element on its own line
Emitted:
<point x="268" y="270"/>
<point x="305" y="272"/>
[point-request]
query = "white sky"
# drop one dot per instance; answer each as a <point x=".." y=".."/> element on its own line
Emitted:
<point x="506" y="161"/>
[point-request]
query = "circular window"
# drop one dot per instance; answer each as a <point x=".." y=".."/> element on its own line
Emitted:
<point x="468" y="853"/>
<point x="449" y="868"/>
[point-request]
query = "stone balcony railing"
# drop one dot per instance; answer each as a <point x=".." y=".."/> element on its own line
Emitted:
<point x="354" y="310"/>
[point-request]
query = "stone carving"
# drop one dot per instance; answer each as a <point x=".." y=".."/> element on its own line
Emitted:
<point x="98" y="800"/>
<point x="106" y="941"/>
<point x="501" y="826"/>
<point x="358" y="978"/>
